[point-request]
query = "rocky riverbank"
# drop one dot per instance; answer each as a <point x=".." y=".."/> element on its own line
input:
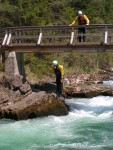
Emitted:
<point x="20" y="100"/>
<point x="88" y="85"/>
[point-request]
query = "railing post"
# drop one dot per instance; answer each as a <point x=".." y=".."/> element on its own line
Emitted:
<point x="9" y="39"/>
<point x="72" y="38"/>
<point x="16" y="35"/>
<point x="106" y="37"/>
<point x="19" y="33"/>
<point x="39" y="38"/>
<point x="5" y="39"/>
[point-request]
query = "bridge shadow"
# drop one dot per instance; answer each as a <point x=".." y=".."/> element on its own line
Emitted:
<point x="48" y="87"/>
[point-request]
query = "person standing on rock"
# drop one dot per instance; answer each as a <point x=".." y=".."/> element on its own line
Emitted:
<point x="82" y="20"/>
<point x="59" y="72"/>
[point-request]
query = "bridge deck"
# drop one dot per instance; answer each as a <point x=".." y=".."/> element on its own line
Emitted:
<point x="83" y="46"/>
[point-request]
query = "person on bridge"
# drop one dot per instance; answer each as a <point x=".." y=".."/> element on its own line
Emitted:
<point x="82" y="20"/>
<point x="59" y="72"/>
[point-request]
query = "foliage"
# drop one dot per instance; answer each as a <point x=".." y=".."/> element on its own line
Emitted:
<point x="41" y="66"/>
<point x="50" y="12"/>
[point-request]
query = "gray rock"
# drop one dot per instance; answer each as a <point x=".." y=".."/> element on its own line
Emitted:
<point x="35" y="105"/>
<point x="25" y="88"/>
<point x="88" y="91"/>
<point x="17" y="81"/>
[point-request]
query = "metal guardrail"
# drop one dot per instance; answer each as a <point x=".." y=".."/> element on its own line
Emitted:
<point x="38" y="36"/>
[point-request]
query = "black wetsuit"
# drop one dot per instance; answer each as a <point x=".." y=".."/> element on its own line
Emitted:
<point x="81" y="21"/>
<point x="59" y="85"/>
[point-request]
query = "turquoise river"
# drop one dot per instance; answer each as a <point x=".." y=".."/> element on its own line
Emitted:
<point x="88" y="126"/>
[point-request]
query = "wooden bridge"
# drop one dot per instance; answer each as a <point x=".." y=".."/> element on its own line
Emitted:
<point x="14" y="41"/>
<point x="99" y="37"/>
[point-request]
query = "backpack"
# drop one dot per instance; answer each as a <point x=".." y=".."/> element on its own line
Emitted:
<point x="81" y="20"/>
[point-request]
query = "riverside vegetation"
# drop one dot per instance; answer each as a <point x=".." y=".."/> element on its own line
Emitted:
<point x="39" y="65"/>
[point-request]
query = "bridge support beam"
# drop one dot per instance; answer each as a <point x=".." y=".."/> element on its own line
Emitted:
<point x="0" y="58"/>
<point x="14" y="63"/>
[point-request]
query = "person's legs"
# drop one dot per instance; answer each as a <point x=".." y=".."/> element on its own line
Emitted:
<point x="84" y="32"/>
<point x="59" y="89"/>
<point x="79" y="32"/>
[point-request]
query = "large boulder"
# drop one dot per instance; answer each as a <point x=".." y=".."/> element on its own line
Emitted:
<point x="15" y="83"/>
<point x="35" y="105"/>
<point x="88" y="91"/>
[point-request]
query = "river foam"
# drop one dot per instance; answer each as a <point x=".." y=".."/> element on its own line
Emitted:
<point x="89" y="126"/>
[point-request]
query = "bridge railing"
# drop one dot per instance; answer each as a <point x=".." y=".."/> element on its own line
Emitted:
<point x="99" y="33"/>
<point x="2" y="34"/>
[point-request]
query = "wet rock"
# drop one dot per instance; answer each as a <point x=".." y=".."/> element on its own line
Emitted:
<point x="35" y="105"/>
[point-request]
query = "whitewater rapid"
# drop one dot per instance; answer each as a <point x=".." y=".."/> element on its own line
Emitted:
<point x="89" y="126"/>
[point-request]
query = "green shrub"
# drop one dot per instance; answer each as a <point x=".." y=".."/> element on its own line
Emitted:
<point x="40" y="64"/>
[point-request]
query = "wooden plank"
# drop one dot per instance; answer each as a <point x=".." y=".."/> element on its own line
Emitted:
<point x="60" y="48"/>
